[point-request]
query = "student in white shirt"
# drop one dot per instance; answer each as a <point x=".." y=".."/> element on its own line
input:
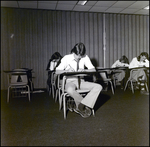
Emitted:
<point x="69" y="63"/>
<point x="140" y="75"/>
<point x="52" y="64"/>
<point x="122" y="62"/>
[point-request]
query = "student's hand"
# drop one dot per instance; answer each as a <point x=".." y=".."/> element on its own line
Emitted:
<point x="71" y="69"/>
<point x="80" y="69"/>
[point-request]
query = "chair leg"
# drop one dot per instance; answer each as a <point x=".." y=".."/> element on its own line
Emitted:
<point x="111" y="87"/>
<point x="28" y="92"/>
<point x="93" y="112"/>
<point x="60" y="101"/>
<point x="126" y="85"/>
<point x="146" y="87"/>
<point x="64" y="106"/>
<point x="132" y="86"/>
<point x="8" y="95"/>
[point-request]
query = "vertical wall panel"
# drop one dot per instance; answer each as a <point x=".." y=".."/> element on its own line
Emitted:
<point x="30" y="37"/>
<point x="132" y="36"/>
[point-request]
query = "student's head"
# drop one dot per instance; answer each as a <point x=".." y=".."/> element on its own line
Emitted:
<point x="124" y="59"/>
<point x="79" y="50"/>
<point x="143" y="56"/>
<point x="56" y="56"/>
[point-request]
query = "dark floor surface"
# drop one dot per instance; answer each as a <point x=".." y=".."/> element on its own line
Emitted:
<point x="120" y="120"/>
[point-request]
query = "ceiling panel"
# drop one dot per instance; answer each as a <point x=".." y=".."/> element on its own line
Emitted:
<point x="9" y="3"/>
<point x="114" y="10"/>
<point x="64" y="7"/>
<point x="82" y="8"/>
<point x="123" y="4"/>
<point x="139" y="4"/>
<point x="98" y="9"/>
<point x="27" y="4"/>
<point x="105" y="3"/>
<point x="126" y="7"/>
<point x="46" y="5"/>
<point x="129" y="11"/>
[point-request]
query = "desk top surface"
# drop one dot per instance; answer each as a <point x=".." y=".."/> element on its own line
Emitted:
<point x="17" y="70"/>
<point x="77" y="73"/>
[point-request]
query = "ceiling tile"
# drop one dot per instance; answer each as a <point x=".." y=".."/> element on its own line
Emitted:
<point x="122" y="4"/>
<point x="81" y="8"/>
<point x="139" y="4"/>
<point x="46" y="5"/>
<point x="142" y="12"/>
<point x="53" y="2"/>
<point x="114" y="10"/>
<point x="129" y="11"/>
<point x="105" y="3"/>
<point x="91" y="3"/>
<point x="68" y="2"/>
<point x="64" y="7"/>
<point x="98" y="9"/>
<point x="27" y="4"/>
<point x="9" y="4"/>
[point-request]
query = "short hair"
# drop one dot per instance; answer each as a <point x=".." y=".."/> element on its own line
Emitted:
<point x="79" y="49"/>
<point x="142" y="54"/>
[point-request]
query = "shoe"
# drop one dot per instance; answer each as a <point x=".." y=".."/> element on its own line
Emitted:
<point x="144" y="92"/>
<point x="84" y="113"/>
<point x="88" y="111"/>
<point x="70" y="105"/>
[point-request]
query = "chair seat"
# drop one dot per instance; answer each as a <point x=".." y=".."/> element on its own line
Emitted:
<point x="18" y="84"/>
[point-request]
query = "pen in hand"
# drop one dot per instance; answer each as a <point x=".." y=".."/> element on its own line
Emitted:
<point x="70" y="69"/>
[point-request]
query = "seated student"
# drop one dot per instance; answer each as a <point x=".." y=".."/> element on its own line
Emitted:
<point x="140" y="75"/>
<point x="52" y="64"/>
<point x="76" y="62"/>
<point x="122" y="62"/>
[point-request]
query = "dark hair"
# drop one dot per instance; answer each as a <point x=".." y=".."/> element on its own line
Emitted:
<point x="124" y="59"/>
<point x="142" y="54"/>
<point x="79" y="49"/>
<point x="56" y="55"/>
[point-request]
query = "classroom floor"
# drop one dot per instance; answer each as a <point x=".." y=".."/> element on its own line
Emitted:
<point x="121" y="119"/>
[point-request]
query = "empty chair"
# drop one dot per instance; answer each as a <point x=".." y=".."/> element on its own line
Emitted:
<point x="104" y="77"/>
<point x="18" y="85"/>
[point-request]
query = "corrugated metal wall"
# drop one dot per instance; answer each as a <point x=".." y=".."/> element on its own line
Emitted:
<point x="39" y="33"/>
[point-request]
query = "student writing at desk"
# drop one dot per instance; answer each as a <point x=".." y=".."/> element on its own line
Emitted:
<point x="140" y="75"/>
<point x="76" y="62"/>
<point x="120" y="76"/>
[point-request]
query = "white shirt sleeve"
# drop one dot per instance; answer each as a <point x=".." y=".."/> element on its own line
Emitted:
<point x="88" y="62"/>
<point x="62" y="64"/>
<point x="115" y="64"/>
<point x="146" y="63"/>
<point x="134" y="63"/>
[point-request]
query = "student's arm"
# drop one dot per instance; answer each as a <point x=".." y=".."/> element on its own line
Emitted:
<point x="89" y="64"/>
<point x="64" y="66"/>
<point x="133" y="63"/>
<point x="115" y="64"/>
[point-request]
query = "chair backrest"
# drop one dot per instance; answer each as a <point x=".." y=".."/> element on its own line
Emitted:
<point x="19" y="78"/>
